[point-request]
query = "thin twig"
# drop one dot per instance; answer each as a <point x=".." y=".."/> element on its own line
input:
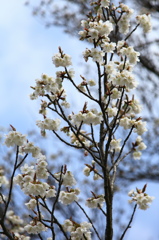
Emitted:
<point x="128" y="226"/>
<point x="131" y="32"/>
<point x="11" y="185"/>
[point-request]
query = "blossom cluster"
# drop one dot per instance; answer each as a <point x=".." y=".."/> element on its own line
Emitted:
<point x="70" y="194"/>
<point x="17" y="224"/>
<point x="15" y="138"/>
<point x="119" y="73"/>
<point x="67" y="178"/>
<point x="124" y="22"/>
<point x="89" y="117"/>
<point x="142" y="199"/>
<point x="47" y="84"/>
<point x="95" y="29"/>
<point x="29" y="147"/>
<point x="51" y="87"/>
<point x="62" y="60"/>
<point x="96" y="201"/>
<point x="138" y="147"/>
<point x="91" y="168"/>
<point x="49" y="124"/>
<point x="35" y="228"/>
<point x="67" y="197"/>
<point x="29" y="180"/>
<point x="78" y="231"/>
<point x="145" y="21"/>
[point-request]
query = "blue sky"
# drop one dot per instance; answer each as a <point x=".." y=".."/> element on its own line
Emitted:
<point x="26" y="50"/>
<point x="25" y="53"/>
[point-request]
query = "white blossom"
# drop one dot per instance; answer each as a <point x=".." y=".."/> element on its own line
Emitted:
<point x="117" y="78"/>
<point x="71" y="72"/>
<point x="126" y="122"/>
<point x="94" y="34"/>
<point x="110" y="68"/>
<point x="35" y="228"/>
<point x="65" y="104"/>
<point x="115" y="144"/>
<point x="68" y="226"/>
<point x="91" y="83"/>
<point x="99" y="28"/>
<point x="126" y="9"/>
<point x="45" y="85"/>
<point x="68" y="179"/>
<point x="3" y="180"/>
<point x="135" y="107"/>
<point x="124" y="24"/>
<point x="115" y="93"/>
<point x="78" y="231"/>
<point x="142" y="146"/>
<point x="96" y="176"/>
<point x="86" y="54"/>
<point x="108" y="47"/>
<point x="83" y="34"/>
<point x="142" y="199"/>
<point x="125" y="65"/>
<point x="15" y="138"/>
<point x="138" y="140"/>
<point x="35" y="188"/>
<point x="97" y="55"/>
<point x="41" y="168"/>
<point x="90" y="117"/>
<point x="137" y="155"/>
<point x="120" y="45"/>
<point x="125" y="78"/>
<point x="50" y="193"/>
<point x="26" y="169"/>
<point x="112" y="111"/>
<point x="31" y="204"/>
<point x="42" y="173"/>
<point x="84" y="24"/>
<point x="21" y="237"/>
<point x="49" y="124"/>
<point x="131" y="54"/>
<point x="63" y="61"/>
<point x="95" y="202"/>
<point x="86" y="171"/>
<point x="145" y="22"/>
<point x="105" y="3"/>
<point x="30" y="148"/>
<point x="105" y="28"/>
<point x="68" y="197"/>
<point x="14" y="218"/>
<point x="140" y="127"/>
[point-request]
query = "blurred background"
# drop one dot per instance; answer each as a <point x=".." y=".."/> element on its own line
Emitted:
<point x="30" y="34"/>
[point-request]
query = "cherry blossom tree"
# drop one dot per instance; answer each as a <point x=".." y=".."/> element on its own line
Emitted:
<point x="109" y="108"/>
<point x="67" y="14"/>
